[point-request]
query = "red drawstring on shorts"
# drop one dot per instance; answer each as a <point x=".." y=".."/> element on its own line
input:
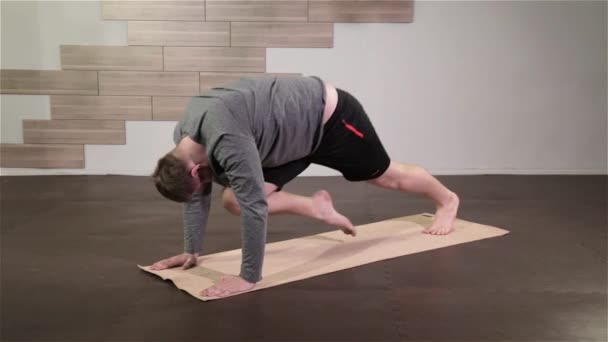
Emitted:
<point x="352" y="129"/>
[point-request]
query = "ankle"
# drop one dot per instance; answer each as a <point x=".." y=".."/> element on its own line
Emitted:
<point x="450" y="199"/>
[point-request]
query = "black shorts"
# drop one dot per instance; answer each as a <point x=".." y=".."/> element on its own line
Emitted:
<point x="349" y="145"/>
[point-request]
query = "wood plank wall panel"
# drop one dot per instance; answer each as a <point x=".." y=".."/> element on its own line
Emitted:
<point x="317" y="35"/>
<point x="42" y="156"/>
<point x="48" y="82"/>
<point x="361" y="11"/>
<point x="153" y="10"/>
<point x="101" y="107"/>
<point x="257" y="10"/>
<point x="110" y="132"/>
<point x="178" y="49"/>
<point x="169" y="108"/>
<point x="239" y="59"/>
<point x="178" y="33"/>
<point x="79" y="57"/>
<point x="148" y="83"/>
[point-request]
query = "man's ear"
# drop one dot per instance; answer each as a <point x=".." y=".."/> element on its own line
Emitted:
<point x="194" y="170"/>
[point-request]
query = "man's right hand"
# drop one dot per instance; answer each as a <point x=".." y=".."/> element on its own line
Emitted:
<point x="185" y="260"/>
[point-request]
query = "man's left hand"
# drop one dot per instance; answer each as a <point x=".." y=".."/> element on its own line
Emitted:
<point x="227" y="286"/>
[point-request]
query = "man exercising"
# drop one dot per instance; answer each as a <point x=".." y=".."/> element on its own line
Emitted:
<point x="255" y="135"/>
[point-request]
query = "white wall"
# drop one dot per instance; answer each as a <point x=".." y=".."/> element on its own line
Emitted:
<point x="469" y="87"/>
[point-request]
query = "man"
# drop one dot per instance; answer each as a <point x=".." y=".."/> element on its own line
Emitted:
<point x="255" y="135"/>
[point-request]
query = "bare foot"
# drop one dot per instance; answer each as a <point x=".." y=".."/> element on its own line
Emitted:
<point x="323" y="209"/>
<point x="444" y="217"/>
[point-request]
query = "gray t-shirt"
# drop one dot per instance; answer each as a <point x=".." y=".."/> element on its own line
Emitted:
<point x="246" y="125"/>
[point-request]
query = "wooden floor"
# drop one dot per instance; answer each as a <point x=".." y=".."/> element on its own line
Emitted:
<point x="70" y="246"/>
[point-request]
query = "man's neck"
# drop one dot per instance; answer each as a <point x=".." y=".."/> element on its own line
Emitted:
<point x="190" y="149"/>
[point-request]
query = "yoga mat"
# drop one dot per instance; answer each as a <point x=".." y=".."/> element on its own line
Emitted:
<point x="313" y="255"/>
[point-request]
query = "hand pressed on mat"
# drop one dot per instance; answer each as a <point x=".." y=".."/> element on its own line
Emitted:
<point x="227" y="286"/>
<point x="186" y="260"/>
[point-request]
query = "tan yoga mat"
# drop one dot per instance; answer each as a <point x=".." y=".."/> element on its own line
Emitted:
<point x="313" y="255"/>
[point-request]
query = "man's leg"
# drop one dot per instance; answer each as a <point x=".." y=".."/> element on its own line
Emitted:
<point x="351" y="145"/>
<point x="319" y="206"/>
<point x="412" y="178"/>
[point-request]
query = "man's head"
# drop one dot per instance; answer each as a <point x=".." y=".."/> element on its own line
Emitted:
<point x="179" y="178"/>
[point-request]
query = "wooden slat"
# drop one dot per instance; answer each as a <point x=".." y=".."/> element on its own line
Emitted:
<point x="148" y="83"/>
<point x="169" y="108"/>
<point x="101" y="107"/>
<point x="48" y="82"/>
<point x="215" y="59"/>
<point x="361" y="11"/>
<point x="215" y="79"/>
<point x="146" y="58"/>
<point x="178" y="33"/>
<point x="153" y="10"/>
<point x="42" y="156"/>
<point x="257" y="10"/>
<point x="108" y="132"/>
<point x="318" y="35"/>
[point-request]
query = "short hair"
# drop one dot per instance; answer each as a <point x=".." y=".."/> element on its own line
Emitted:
<point x="172" y="179"/>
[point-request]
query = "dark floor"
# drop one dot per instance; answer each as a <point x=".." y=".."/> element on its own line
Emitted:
<point x="70" y="246"/>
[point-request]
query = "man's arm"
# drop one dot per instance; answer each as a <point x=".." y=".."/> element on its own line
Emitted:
<point x="195" y="216"/>
<point x="240" y="159"/>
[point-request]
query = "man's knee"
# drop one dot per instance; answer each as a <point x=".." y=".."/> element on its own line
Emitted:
<point x="398" y="176"/>
<point x="230" y="203"/>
